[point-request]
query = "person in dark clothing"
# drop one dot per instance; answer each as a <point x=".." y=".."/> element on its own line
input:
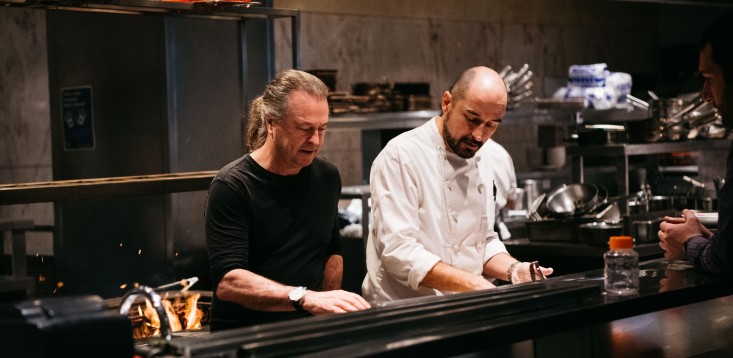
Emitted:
<point x="271" y="216"/>
<point x="685" y="238"/>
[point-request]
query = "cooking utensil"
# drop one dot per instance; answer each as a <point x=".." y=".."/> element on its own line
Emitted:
<point x="532" y="213"/>
<point x="703" y="119"/>
<point x="573" y="199"/>
<point x="534" y="271"/>
<point x="505" y="71"/>
<point x="185" y="284"/>
<point x="597" y="233"/>
<point x="693" y="181"/>
<point x="611" y="214"/>
<point x="513" y="77"/>
<point x="646" y="230"/>
<point x="677" y="116"/>
<point x="523" y="80"/>
<point x="637" y="102"/>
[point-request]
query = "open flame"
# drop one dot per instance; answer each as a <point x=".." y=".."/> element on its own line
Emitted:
<point x="182" y="314"/>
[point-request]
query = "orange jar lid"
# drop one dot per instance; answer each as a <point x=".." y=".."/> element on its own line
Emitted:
<point x="621" y="242"/>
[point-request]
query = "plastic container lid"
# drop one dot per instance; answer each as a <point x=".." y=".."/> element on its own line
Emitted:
<point x="621" y="242"/>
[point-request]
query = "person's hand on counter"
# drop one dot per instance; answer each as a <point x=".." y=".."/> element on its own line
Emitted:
<point x="336" y="301"/>
<point x="674" y="231"/>
<point x="529" y="271"/>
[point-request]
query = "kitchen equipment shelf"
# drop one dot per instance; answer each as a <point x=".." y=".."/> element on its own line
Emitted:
<point x="381" y="120"/>
<point x="221" y="10"/>
<point x="622" y="152"/>
<point x="233" y="9"/>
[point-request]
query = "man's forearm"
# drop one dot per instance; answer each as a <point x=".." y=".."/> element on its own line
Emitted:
<point x="497" y="266"/>
<point x="333" y="274"/>
<point x="448" y="278"/>
<point x="254" y="291"/>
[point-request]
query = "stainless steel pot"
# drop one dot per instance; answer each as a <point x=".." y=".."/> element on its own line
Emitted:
<point x="646" y="230"/>
<point x="660" y="203"/>
<point x="598" y="233"/>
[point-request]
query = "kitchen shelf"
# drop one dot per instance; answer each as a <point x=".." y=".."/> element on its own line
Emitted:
<point x="219" y="10"/>
<point x="622" y="152"/>
<point x="527" y="114"/>
<point x="613" y="150"/>
<point x="381" y="120"/>
<point x="231" y="9"/>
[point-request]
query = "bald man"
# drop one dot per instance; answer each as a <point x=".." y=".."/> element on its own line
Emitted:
<point x="433" y="215"/>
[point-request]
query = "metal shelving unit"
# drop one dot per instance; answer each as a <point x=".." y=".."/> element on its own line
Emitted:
<point x="622" y="152"/>
<point x="222" y="10"/>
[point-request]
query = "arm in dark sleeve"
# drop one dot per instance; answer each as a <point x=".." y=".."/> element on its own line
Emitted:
<point x="334" y="246"/>
<point x="716" y="254"/>
<point x="227" y="228"/>
<point x="712" y="255"/>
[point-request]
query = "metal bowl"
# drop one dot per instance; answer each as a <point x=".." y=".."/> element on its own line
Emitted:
<point x="573" y="199"/>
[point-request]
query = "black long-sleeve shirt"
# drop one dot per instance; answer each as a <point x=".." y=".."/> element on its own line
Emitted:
<point x="281" y="227"/>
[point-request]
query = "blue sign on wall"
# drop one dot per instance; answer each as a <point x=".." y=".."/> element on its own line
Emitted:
<point x="77" y="114"/>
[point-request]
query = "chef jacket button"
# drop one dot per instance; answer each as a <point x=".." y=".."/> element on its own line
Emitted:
<point x="455" y="248"/>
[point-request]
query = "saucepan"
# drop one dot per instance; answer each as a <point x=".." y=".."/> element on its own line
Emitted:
<point x="597" y="233"/>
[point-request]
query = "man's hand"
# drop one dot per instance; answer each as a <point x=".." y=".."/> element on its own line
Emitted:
<point x="522" y="273"/>
<point x="674" y="231"/>
<point x="337" y="301"/>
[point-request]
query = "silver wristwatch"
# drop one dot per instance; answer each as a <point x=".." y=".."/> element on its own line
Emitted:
<point x="296" y="297"/>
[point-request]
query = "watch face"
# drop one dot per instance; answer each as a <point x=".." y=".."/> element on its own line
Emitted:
<point x="297" y="294"/>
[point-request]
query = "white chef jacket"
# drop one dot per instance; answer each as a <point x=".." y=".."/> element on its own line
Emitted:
<point x="428" y="205"/>
<point x="497" y="165"/>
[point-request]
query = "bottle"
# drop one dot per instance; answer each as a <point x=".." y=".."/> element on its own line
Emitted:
<point x="621" y="271"/>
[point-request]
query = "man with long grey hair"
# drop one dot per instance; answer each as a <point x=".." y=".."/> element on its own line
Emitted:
<point x="271" y="218"/>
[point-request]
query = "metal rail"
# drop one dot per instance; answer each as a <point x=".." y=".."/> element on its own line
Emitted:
<point x="66" y="190"/>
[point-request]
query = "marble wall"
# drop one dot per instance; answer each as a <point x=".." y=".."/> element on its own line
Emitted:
<point x="433" y="40"/>
<point x="25" y="133"/>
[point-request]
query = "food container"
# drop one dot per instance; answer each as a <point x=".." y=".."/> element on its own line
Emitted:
<point x="597" y="233"/>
